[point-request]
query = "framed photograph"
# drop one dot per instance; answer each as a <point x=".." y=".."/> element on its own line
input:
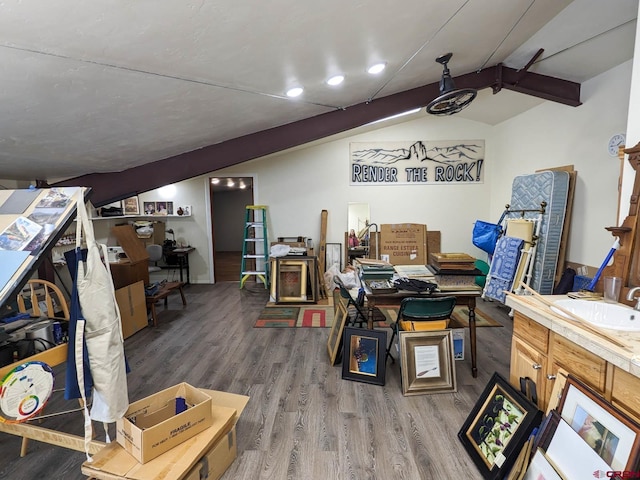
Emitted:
<point x="161" y="208"/>
<point x="334" y="342"/>
<point x="291" y="281"/>
<point x="333" y="255"/>
<point x="169" y="208"/>
<point x="497" y="427"/>
<point x="131" y="206"/>
<point x="540" y="468"/>
<point x="363" y="355"/>
<point x="149" y="208"/>
<point x="613" y="435"/>
<point x="426" y="362"/>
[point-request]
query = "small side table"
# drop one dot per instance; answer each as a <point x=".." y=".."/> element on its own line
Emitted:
<point x="163" y="293"/>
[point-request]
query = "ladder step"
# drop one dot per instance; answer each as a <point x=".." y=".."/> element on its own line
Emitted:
<point x="253" y="256"/>
<point x="254" y="240"/>
<point x="253" y="273"/>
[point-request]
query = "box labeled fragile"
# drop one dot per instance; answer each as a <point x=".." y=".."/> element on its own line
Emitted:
<point x="157" y="423"/>
<point x="404" y="243"/>
<point x="458" y="343"/>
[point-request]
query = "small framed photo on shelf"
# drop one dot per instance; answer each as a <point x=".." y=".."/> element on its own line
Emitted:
<point x="426" y="362"/>
<point x="131" y="206"/>
<point x="498" y="427"/>
<point x="363" y="358"/>
<point x="149" y="208"/>
<point x="161" y="208"/>
<point x="613" y="435"/>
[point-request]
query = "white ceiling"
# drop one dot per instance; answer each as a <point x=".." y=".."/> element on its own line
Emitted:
<point x="105" y="86"/>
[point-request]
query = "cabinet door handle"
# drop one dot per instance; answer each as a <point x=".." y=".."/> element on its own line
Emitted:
<point x="536" y="366"/>
<point x="551" y="377"/>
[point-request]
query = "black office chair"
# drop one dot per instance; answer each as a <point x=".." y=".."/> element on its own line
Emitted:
<point x="424" y="313"/>
<point x="355" y="307"/>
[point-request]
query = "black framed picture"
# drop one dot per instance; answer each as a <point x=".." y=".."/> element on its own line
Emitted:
<point x="497" y="427"/>
<point x="363" y="355"/>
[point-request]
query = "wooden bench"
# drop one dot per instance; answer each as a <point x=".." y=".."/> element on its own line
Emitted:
<point x="163" y="293"/>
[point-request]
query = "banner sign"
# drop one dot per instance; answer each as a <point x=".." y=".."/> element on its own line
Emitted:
<point x="407" y="163"/>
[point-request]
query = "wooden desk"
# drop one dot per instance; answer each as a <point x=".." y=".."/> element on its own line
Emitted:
<point x="162" y="294"/>
<point x="467" y="298"/>
<point x="182" y="256"/>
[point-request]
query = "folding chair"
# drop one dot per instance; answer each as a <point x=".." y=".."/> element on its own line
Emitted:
<point x="425" y="313"/>
<point x="355" y="307"/>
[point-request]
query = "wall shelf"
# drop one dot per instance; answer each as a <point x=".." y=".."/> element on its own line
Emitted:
<point x="145" y="217"/>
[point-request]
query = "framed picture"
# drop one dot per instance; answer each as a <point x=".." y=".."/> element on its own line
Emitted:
<point x="334" y="342"/>
<point x="161" y="208"/>
<point x="426" y="362"/>
<point x="149" y="208"/>
<point x="609" y="432"/>
<point x="131" y="206"/>
<point x="333" y="255"/>
<point x="363" y="355"/>
<point x="540" y="468"/>
<point x="291" y="281"/>
<point x="497" y="427"/>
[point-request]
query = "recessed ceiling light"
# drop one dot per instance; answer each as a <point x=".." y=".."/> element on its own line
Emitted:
<point x="215" y="181"/>
<point x="243" y="186"/>
<point x="377" y="68"/>
<point x="230" y="183"/>
<point x="335" y="80"/>
<point x="294" y="92"/>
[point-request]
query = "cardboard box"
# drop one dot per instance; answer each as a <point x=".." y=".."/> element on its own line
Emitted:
<point x="133" y="308"/>
<point x="114" y="463"/>
<point x="217" y="460"/>
<point x="157" y="423"/>
<point x="404" y="243"/>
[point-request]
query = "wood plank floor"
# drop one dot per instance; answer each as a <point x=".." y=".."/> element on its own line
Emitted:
<point x="303" y="421"/>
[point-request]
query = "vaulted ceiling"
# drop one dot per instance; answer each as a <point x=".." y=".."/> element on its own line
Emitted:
<point x="129" y="96"/>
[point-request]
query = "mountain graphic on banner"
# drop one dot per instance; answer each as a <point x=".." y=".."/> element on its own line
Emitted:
<point x="419" y="152"/>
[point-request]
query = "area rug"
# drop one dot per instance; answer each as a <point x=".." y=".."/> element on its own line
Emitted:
<point x="322" y="316"/>
<point x="289" y="317"/>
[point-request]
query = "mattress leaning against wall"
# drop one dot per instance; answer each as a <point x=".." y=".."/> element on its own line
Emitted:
<point x="527" y="192"/>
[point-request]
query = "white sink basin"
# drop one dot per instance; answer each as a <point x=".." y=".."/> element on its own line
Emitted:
<point x="600" y="314"/>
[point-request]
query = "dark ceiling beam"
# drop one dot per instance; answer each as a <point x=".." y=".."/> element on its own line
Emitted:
<point x="109" y="187"/>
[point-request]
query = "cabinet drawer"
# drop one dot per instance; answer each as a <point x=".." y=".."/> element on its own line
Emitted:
<point x="531" y="332"/>
<point x="586" y="366"/>
<point x="625" y="392"/>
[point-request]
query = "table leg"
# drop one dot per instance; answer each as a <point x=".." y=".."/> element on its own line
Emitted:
<point x="184" y="300"/>
<point x="153" y="314"/>
<point x="472" y="335"/>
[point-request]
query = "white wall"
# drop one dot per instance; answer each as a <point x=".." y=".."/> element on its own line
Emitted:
<point x="552" y="135"/>
<point x="633" y="128"/>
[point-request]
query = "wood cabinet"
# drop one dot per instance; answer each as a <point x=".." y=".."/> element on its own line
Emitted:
<point x="538" y="353"/>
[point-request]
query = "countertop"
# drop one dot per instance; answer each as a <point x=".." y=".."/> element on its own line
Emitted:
<point x="628" y="359"/>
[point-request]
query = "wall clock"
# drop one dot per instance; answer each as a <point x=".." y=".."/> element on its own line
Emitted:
<point x="614" y="142"/>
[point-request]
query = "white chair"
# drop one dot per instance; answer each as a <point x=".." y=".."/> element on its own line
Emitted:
<point x="155" y="254"/>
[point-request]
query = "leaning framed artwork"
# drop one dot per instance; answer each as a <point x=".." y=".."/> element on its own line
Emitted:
<point x="608" y="431"/>
<point x="426" y="362"/>
<point x="497" y="427"/>
<point x="363" y="357"/>
<point x="334" y="342"/>
<point x="291" y="281"/>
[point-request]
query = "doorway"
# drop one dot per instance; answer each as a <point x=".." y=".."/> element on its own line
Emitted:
<point x="229" y="199"/>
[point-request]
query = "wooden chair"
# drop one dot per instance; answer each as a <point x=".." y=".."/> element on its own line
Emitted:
<point x="54" y="306"/>
<point x="41" y="290"/>
<point x="424" y="313"/>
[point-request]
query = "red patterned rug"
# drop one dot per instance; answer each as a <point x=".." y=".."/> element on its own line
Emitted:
<point x="289" y="317"/>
